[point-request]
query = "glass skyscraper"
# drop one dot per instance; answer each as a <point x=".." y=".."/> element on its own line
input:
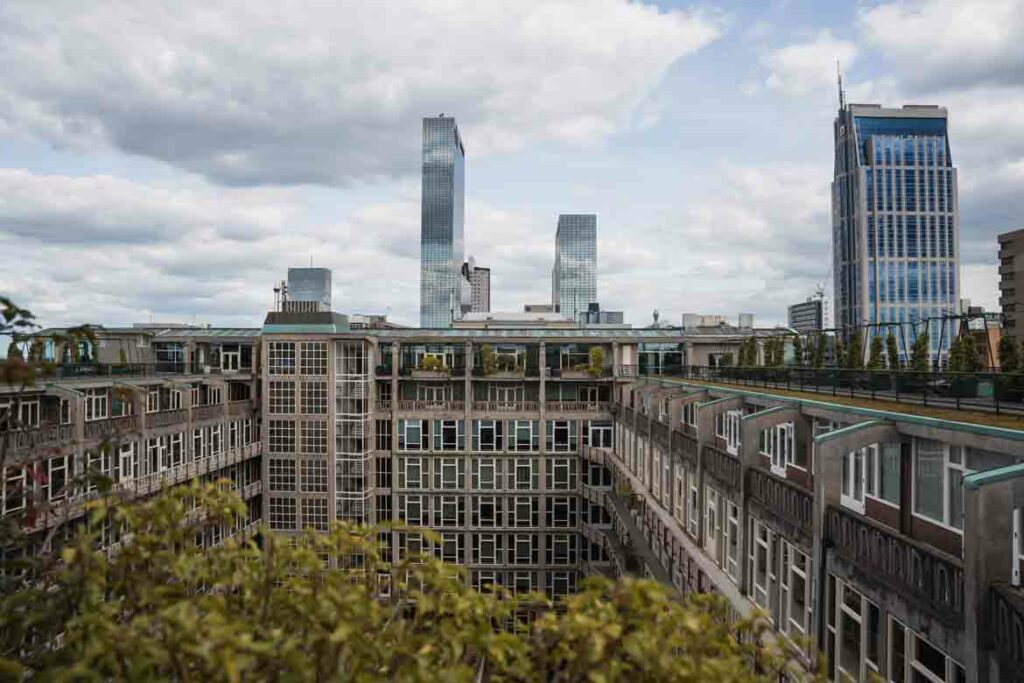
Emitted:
<point x="895" y="224"/>
<point x="574" y="276"/>
<point x="442" y="210"/>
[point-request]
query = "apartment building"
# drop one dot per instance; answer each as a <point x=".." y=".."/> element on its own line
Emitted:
<point x="146" y="407"/>
<point x="888" y="543"/>
<point x="1011" y="248"/>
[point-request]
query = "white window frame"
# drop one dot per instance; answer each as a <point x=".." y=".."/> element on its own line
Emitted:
<point x="853" y="485"/>
<point x="948" y="463"/>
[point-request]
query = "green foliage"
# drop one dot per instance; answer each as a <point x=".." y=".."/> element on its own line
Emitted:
<point x="798" y="350"/>
<point x="432" y="363"/>
<point x="487" y="359"/>
<point x="726" y="360"/>
<point x="818" y="352"/>
<point x="875" y="360"/>
<point x="920" y="354"/>
<point x="160" y="608"/>
<point x="964" y="355"/>
<point x="840" y="352"/>
<point x="748" y="352"/>
<point x="855" y="351"/>
<point x="596" y="357"/>
<point x="1009" y="355"/>
<point x="892" y="351"/>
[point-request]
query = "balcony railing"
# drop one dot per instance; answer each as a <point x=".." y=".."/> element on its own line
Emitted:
<point x="787" y="500"/>
<point x="1006" y="630"/>
<point x="417" y="406"/>
<point x="722" y="466"/>
<point x="209" y="412"/>
<point x="240" y="408"/>
<point x="913" y="568"/>
<point x="383" y="406"/>
<point x="103" y="429"/>
<point x="575" y="406"/>
<point x="44" y="436"/>
<point x="659" y="433"/>
<point x="164" y="418"/>
<point x="506" y="406"/>
<point x="685" y="445"/>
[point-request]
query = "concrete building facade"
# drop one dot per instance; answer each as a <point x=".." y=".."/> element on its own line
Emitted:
<point x="807" y="316"/>
<point x="1011" y="281"/>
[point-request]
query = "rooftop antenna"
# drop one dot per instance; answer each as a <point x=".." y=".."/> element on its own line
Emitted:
<point x="839" y="78"/>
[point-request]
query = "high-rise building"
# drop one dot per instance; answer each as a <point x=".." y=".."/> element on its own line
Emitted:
<point x="574" y="276"/>
<point x="807" y="316"/>
<point x="1011" y="252"/>
<point x="441" y="243"/>
<point x="480" y="287"/>
<point x="895" y="222"/>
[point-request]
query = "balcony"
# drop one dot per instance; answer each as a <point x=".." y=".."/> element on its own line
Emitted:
<point x="208" y="412"/>
<point x="383" y="406"/>
<point x="506" y="406"/>
<point x="576" y="406"/>
<point x="43" y="436"/>
<point x="722" y="466"/>
<point x="685" y="445"/>
<point x="783" y="498"/>
<point x="165" y="417"/>
<point x="431" y="406"/>
<point x="241" y="408"/>
<point x="659" y="433"/>
<point x="1006" y="629"/>
<point x="916" y="570"/>
<point x="104" y="429"/>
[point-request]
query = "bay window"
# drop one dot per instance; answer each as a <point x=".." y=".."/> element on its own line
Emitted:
<point x="938" y="492"/>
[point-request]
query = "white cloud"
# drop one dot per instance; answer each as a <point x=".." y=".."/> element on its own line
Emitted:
<point x="329" y="93"/>
<point x="805" y="67"/>
<point x="941" y="43"/>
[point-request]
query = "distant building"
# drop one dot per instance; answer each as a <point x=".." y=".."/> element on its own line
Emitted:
<point x="895" y="221"/>
<point x="807" y="316"/>
<point x="479" y="286"/>
<point x="309" y="289"/>
<point x="595" y="316"/>
<point x="540" y="308"/>
<point x="1011" y="284"/>
<point x="442" y="210"/>
<point x="574" y="275"/>
<point x="512" y="320"/>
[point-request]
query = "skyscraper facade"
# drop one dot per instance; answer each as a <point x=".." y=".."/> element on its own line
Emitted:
<point x="807" y="316"/>
<point x="895" y="223"/>
<point x="480" y="284"/>
<point x="574" y="276"/>
<point x="442" y="210"/>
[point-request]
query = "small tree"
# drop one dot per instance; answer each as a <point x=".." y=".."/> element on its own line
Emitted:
<point x="596" y="357"/>
<point x="1009" y="357"/>
<point x="892" y="351"/>
<point x="726" y="360"/>
<point x="875" y="360"/>
<point x="798" y="350"/>
<point x="920" y="354"/>
<point x="818" y="353"/>
<point x="840" y="352"/>
<point x="855" y="352"/>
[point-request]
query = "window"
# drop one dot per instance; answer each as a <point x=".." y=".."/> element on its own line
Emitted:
<point x="939" y="471"/>
<point x="779" y="446"/>
<point x="449" y="435"/>
<point x="524" y="511"/>
<point x="15" y="482"/>
<point x="853" y="479"/>
<point x="561" y="549"/>
<point x="449" y="511"/>
<point x="282" y="514"/>
<point x="282" y="474"/>
<point x="313" y="476"/>
<point x="795" y="592"/>
<point x="912" y="658"/>
<point x="413" y="509"/>
<point x="314" y="398"/>
<point x="314" y="513"/>
<point x="597" y="434"/>
<point x="486" y="474"/>
<point x="732" y="431"/>
<point x="281" y="436"/>
<point x="486" y="511"/>
<point x="281" y="359"/>
<point x="561" y="436"/>
<point x="281" y="397"/>
<point x="95" y="404"/>
<point x="561" y="474"/>
<point x="732" y="540"/>
<point x="854" y="631"/>
<point x="561" y="584"/>
<point x="487" y="548"/>
<point x="314" y="437"/>
<point x="449" y="473"/>
<point x="693" y="507"/>
<point x="411" y="473"/>
<point x="55" y="485"/>
<point x="524" y="549"/>
<point x="487" y="435"/>
<point x="153" y="401"/>
<point x="883" y="472"/>
<point x="230" y="358"/>
<point x="128" y="461"/>
<point x="711" y="524"/>
<point x="688" y="414"/>
<point x="382" y="433"/>
<point x="525" y="474"/>
<point x="314" y="358"/>
<point x="412" y="435"/>
<point x="524" y="436"/>
<point x="763" y="548"/>
<point x="562" y="512"/>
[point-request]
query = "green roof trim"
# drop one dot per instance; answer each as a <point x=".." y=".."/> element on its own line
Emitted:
<point x="766" y="411"/>
<point x="979" y="479"/>
<point x="875" y="413"/>
<point x="328" y="328"/>
<point x="860" y="426"/>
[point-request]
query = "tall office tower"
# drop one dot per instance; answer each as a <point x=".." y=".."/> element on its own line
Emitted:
<point x="480" y="287"/>
<point x="574" y="276"/>
<point x="895" y="222"/>
<point x="442" y="211"/>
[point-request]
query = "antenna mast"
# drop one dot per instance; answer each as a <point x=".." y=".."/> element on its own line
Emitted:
<point x="842" y="94"/>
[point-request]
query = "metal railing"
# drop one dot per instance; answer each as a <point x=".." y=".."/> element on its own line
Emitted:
<point x="506" y="406"/>
<point x="208" y="412"/>
<point x="149" y="369"/>
<point x="45" y="435"/>
<point x="722" y="466"/>
<point x="914" y="569"/>
<point x="102" y="429"/>
<point x="416" y="406"/>
<point x="165" y="417"/>
<point x="576" y="406"/>
<point x="784" y="498"/>
<point x="986" y="391"/>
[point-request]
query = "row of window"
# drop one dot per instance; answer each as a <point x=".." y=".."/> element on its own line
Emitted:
<point x="494" y="435"/>
<point x="494" y="549"/>
<point x="311" y="356"/>
<point x="487" y="474"/>
<point x="310" y="397"/>
<point x="562" y="512"/>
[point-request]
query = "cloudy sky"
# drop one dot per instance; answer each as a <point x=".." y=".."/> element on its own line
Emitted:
<point x="169" y="164"/>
